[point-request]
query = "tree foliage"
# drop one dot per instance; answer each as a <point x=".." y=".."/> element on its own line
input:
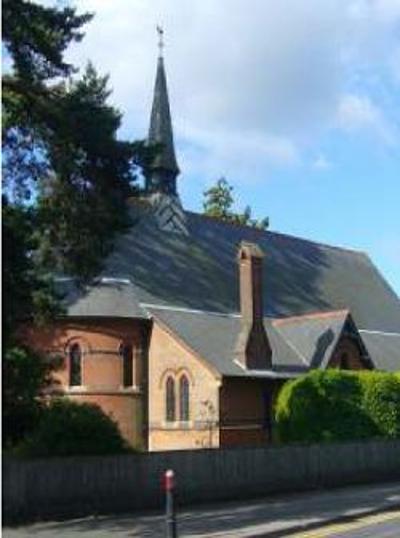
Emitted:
<point x="26" y="376"/>
<point x="60" y="144"/>
<point x="218" y="203"/>
<point x="92" y="175"/>
<point x="381" y="397"/>
<point x="337" y="406"/>
<point x="36" y="37"/>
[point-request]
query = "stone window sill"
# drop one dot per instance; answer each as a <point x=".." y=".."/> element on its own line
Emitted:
<point x="178" y="425"/>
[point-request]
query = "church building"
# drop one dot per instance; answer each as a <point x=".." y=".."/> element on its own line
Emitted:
<point x="194" y="323"/>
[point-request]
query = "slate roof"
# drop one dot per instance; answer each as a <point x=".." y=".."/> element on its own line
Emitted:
<point x="213" y="337"/>
<point x="198" y="271"/>
<point x="160" y="131"/>
<point x="314" y="336"/>
<point x="384" y="349"/>
<point x="106" y="297"/>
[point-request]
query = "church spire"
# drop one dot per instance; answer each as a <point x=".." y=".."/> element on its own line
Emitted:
<point x="161" y="175"/>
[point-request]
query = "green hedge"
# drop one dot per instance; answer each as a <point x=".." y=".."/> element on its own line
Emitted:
<point x="334" y="405"/>
<point x="67" y="428"/>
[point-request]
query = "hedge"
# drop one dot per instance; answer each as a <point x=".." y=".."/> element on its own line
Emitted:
<point x="334" y="405"/>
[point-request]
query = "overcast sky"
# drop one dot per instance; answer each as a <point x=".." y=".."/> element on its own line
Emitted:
<point x="295" y="102"/>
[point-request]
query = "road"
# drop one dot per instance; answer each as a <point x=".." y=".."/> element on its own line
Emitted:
<point x="353" y="512"/>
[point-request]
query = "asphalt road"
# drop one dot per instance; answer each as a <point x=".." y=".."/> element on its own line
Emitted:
<point x="363" y="511"/>
<point x="382" y="524"/>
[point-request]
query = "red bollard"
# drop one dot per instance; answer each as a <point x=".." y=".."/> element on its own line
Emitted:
<point x="170" y="516"/>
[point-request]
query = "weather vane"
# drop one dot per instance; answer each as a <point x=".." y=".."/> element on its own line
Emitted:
<point x="160" y="32"/>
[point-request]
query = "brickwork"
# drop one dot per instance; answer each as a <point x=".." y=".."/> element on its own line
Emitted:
<point x="102" y="373"/>
<point x="347" y="356"/>
<point x="170" y="357"/>
<point x="245" y="411"/>
<point x="124" y="407"/>
<point x="252" y="347"/>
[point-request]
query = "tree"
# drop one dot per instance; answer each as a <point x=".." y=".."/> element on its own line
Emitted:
<point x="60" y="142"/>
<point x="27" y="294"/>
<point x="66" y="177"/>
<point x="34" y="39"/>
<point x="218" y="202"/>
<point x="26" y="376"/>
<point x="92" y="174"/>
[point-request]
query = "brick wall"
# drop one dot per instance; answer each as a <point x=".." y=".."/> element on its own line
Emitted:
<point x="347" y="348"/>
<point x="168" y="356"/>
<point x="102" y="372"/>
<point x="246" y="407"/>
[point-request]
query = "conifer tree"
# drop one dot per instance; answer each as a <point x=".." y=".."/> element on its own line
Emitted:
<point x="66" y="177"/>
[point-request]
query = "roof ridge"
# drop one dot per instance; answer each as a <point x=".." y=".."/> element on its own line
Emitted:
<point x="262" y="231"/>
<point x="184" y="310"/>
<point x="384" y="333"/>
<point x="225" y="222"/>
<point x="314" y="315"/>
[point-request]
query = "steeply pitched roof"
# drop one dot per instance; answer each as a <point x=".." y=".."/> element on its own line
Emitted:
<point x="199" y="271"/>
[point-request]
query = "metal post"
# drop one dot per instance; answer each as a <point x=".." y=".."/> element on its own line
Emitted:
<point x="170" y="516"/>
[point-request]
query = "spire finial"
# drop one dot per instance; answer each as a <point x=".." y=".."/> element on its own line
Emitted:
<point x="160" y="32"/>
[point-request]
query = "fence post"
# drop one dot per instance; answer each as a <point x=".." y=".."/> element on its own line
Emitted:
<point x="170" y="515"/>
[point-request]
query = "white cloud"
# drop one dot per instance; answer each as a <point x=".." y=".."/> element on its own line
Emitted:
<point x="359" y="113"/>
<point x="321" y="163"/>
<point x="247" y="84"/>
<point x="245" y="155"/>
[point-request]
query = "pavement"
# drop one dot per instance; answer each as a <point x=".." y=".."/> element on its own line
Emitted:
<point x="352" y="512"/>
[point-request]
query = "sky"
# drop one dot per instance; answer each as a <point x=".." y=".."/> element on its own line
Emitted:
<point x="296" y="103"/>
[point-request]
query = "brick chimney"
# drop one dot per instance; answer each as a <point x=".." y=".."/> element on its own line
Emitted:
<point x="252" y="348"/>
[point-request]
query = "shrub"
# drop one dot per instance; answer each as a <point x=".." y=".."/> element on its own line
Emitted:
<point x="381" y="400"/>
<point x="334" y="405"/>
<point x="67" y="428"/>
<point x="26" y="376"/>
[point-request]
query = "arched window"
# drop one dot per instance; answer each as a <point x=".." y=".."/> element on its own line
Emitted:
<point x="170" y="400"/>
<point x="127" y="364"/>
<point x="75" y="365"/>
<point x="184" y="399"/>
